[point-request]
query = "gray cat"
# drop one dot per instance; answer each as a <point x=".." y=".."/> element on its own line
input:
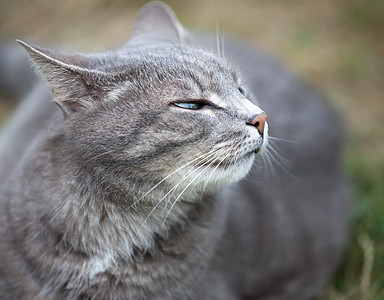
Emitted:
<point x="133" y="187"/>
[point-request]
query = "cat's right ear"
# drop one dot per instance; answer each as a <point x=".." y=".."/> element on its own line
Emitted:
<point x="74" y="85"/>
<point x="157" y="21"/>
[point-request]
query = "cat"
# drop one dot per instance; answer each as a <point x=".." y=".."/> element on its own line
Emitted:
<point x="150" y="178"/>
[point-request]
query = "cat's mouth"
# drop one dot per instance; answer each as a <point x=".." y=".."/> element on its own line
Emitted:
<point x="255" y="151"/>
<point x="236" y="159"/>
<point x="257" y="148"/>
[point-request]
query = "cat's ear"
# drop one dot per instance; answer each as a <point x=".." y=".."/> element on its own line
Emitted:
<point x="74" y="85"/>
<point x="156" y="21"/>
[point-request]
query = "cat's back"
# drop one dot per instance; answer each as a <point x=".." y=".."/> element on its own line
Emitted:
<point x="30" y="118"/>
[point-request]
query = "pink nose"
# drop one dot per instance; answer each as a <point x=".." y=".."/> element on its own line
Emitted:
<point x="259" y="122"/>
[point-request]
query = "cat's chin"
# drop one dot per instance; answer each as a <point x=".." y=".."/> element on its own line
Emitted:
<point x="236" y="172"/>
<point x="216" y="176"/>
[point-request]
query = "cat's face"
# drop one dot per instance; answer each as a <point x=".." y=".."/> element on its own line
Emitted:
<point x="173" y="112"/>
<point x="156" y="111"/>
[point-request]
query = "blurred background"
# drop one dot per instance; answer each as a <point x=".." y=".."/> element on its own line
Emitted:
<point x="337" y="46"/>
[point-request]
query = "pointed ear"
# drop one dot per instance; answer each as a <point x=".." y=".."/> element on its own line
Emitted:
<point x="74" y="85"/>
<point x="157" y="21"/>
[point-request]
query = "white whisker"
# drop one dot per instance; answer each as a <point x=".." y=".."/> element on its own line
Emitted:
<point x="218" y="41"/>
<point x="170" y="191"/>
<point x="182" y="192"/>
<point x="169" y="175"/>
<point x="206" y="184"/>
<point x="274" y="157"/>
<point x="274" y="152"/>
<point x="281" y="139"/>
<point x="266" y="157"/>
<point x="207" y="156"/>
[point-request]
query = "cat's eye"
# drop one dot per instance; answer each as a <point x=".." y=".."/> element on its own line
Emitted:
<point x="242" y="91"/>
<point x="189" y="105"/>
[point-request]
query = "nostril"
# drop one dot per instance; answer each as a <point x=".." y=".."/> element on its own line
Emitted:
<point x="259" y="122"/>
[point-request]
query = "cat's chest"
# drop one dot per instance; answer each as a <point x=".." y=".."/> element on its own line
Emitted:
<point x="145" y="276"/>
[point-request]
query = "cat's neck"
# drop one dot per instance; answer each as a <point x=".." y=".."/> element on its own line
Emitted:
<point x="99" y="225"/>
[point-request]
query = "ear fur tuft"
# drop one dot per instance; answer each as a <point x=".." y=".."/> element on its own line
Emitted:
<point x="71" y="83"/>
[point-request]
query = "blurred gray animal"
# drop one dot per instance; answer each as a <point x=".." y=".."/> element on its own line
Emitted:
<point x="16" y="76"/>
<point x="132" y="188"/>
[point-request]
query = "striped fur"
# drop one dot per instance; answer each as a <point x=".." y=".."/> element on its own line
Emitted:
<point x="123" y="195"/>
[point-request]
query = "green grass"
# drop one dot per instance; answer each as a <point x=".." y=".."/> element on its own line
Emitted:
<point x="361" y="276"/>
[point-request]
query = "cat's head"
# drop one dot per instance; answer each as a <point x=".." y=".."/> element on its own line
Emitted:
<point x="157" y="110"/>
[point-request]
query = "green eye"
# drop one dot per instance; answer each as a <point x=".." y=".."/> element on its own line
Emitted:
<point x="189" y="105"/>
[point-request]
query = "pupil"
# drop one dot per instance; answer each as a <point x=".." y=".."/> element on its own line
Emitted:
<point x="242" y="91"/>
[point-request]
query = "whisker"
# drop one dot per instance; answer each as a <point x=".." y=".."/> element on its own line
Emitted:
<point x="281" y="139"/>
<point x="266" y="157"/>
<point x="207" y="155"/>
<point x="202" y="165"/>
<point x="218" y="41"/>
<point x="169" y="175"/>
<point x="206" y="184"/>
<point x="222" y="42"/>
<point x="274" y="157"/>
<point x="182" y="192"/>
<point x="209" y="162"/>
<point x="171" y="190"/>
<point x="274" y="152"/>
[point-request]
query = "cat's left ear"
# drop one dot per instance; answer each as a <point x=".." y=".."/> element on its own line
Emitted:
<point x="74" y="85"/>
<point x="156" y="21"/>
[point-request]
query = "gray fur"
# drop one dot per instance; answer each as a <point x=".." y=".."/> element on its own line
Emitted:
<point x="16" y="76"/>
<point x="97" y="206"/>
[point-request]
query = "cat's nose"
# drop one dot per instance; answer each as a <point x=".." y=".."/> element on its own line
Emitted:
<point x="258" y="121"/>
